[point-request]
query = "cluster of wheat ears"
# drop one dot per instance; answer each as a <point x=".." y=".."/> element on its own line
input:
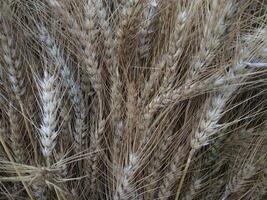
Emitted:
<point x="133" y="99"/>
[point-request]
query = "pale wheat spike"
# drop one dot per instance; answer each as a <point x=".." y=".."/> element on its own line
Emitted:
<point x="151" y="9"/>
<point x="49" y="103"/>
<point x="105" y="28"/>
<point x="118" y="123"/>
<point x="236" y="71"/>
<point x="108" y="37"/>
<point x="131" y="107"/>
<point x="249" y="167"/>
<point x="209" y="124"/>
<point x="86" y="35"/>
<point x="126" y="12"/>
<point x="109" y="44"/>
<point x="61" y="11"/>
<point x="176" y="37"/>
<point x="115" y="106"/>
<point x="80" y="114"/>
<point x="157" y="161"/>
<point x="102" y="19"/>
<point x="176" y="44"/>
<point x="90" y="51"/>
<point x="93" y="161"/>
<point x="16" y="74"/>
<point x="16" y="136"/>
<point x="114" y="47"/>
<point x="125" y="187"/>
<point x="217" y="23"/>
<point x="74" y="90"/>
<point x="116" y="102"/>
<point x="12" y="60"/>
<point x="168" y="60"/>
<point x="13" y="166"/>
<point x="238" y="180"/>
<point x="173" y="174"/>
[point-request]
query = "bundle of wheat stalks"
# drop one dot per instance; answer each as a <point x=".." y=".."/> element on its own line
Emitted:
<point x="133" y="99"/>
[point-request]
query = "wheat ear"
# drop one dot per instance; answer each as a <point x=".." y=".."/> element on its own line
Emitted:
<point x="151" y="9"/>
<point x="86" y="35"/>
<point x="169" y="59"/>
<point x="90" y="33"/>
<point x="250" y="166"/>
<point x="191" y="88"/>
<point x="15" y="73"/>
<point x="93" y="161"/>
<point x="158" y="160"/>
<point x="49" y="101"/>
<point x="206" y="54"/>
<point x="209" y="126"/>
<point x="217" y="23"/>
<point x="74" y="90"/>
<point x="9" y="155"/>
<point x="113" y="48"/>
<point x="125" y="187"/>
<point x="61" y="11"/>
<point x="16" y="134"/>
<point x="170" y="177"/>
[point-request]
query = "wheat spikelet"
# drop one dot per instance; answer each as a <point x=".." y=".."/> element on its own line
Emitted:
<point x="49" y="100"/>
<point x="210" y="121"/>
<point x="125" y="188"/>
<point x="174" y="171"/>
<point x="66" y="120"/>
<point x="217" y="24"/>
<point x="218" y="102"/>
<point x="48" y="134"/>
<point x="15" y="71"/>
<point x="12" y="60"/>
<point x="245" y="173"/>
<point x="117" y="121"/>
<point x="151" y="8"/>
<point x="74" y="90"/>
<point x="89" y="39"/>
<point x="61" y="11"/>
<point x="93" y="162"/>
<point x="16" y="133"/>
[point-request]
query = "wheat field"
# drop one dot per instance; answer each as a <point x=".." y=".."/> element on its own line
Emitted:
<point x="133" y="99"/>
